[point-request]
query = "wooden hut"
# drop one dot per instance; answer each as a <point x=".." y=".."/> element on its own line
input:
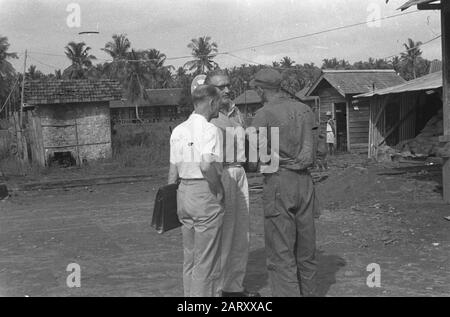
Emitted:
<point x="400" y="112"/>
<point x="248" y="103"/>
<point x="336" y="88"/>
<point x="68" y="120"/>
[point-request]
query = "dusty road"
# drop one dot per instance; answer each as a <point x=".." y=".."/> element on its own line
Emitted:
<point x="392" y="217"/>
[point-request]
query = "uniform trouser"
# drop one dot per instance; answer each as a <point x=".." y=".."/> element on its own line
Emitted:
<point x="235" y="235"/>
<point x="289" y="208"/>
<point x="201" y="214"/>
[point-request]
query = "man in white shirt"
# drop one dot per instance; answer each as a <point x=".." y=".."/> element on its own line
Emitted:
<point x="195" y="155"/>
<point x="331" y="133"/>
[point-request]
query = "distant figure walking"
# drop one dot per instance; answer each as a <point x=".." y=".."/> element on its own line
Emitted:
<point x="331" y="133"/>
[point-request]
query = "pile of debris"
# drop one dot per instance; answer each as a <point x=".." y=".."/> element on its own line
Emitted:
<point x="425" y="144"/>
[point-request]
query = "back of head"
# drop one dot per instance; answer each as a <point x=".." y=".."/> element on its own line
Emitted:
<point x="204" y="93"/>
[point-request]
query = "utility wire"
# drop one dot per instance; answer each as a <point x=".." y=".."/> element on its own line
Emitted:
<point x="259" y="45"/>
<point x="413" y="48"/>
<point x="390" y="56"/>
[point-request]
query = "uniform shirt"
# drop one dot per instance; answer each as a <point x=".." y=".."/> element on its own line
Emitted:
<point x="231" y="125"/>
<point x="189" y="141"/>
<point x="295" y="121"/>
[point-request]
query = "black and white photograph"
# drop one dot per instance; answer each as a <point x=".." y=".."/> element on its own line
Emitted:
<point x="244" y="150"/>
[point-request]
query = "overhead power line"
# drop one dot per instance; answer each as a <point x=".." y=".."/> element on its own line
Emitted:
<point x="254" y="46"/>
<point x="413" y="48"/>
<point x="390" y="56"/>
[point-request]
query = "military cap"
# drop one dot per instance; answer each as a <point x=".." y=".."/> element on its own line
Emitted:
<point x="266" y="78"/>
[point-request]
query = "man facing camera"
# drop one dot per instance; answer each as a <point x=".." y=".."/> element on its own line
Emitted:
<point x="236" y="223"/>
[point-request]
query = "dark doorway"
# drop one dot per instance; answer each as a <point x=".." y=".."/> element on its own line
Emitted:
<point x="340" y="112"/>
<point x="62" y="159"/>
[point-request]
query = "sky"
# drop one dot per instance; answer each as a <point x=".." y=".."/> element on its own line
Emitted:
<point x="41" y="27"/>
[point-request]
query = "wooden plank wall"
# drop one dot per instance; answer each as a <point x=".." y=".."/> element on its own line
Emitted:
<point x="407" y="130"/>
<point x="358" y="125"/>
<point x="327" y="96"/>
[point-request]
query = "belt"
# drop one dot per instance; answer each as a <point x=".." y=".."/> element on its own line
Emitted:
<point x="192" y="179"/>
<point x="284" y="169"/>
<point x="233" y="165"/>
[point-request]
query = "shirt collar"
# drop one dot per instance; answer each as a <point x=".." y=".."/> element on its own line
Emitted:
<point x="198" y="116"/>
<point x="233" y="109"/>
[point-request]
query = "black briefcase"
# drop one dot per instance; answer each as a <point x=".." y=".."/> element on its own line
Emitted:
<point x="165" y="216"/>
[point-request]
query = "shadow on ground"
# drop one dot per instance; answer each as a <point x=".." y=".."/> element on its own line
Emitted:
<point x="328" y="265"/>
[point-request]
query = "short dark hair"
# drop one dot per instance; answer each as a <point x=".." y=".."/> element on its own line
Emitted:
<point x="203" y="92"/>
<point x="214" y="73"/>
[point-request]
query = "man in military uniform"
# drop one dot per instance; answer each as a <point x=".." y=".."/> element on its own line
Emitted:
<point x="288" y="196"/>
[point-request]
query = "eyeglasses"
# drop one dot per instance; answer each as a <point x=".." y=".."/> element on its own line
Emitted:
<point x="222" y="87"/>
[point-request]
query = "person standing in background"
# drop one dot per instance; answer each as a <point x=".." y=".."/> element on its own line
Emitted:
<point x="331" y="133"/>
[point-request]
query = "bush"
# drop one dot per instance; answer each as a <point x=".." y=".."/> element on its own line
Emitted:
<point x="141" y="145"/>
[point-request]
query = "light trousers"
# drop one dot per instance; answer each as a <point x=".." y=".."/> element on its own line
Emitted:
<point x="201" y="214"/>
<point x="235" y="234"/>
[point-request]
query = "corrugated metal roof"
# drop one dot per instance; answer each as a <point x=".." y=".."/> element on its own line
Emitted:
<point x="411" y="3"/>
<point x="427" y="82"/>
<point x="350" y="82"/>
<point x="156" y="98"/>
<point x="71" y="91"/>
<point x="249" y="96"/>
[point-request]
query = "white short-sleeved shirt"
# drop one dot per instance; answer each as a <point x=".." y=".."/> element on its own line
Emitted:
<point x="189" y="141"/>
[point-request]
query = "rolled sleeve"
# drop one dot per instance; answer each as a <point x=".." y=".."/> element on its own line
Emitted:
<point x="211" y="142"/>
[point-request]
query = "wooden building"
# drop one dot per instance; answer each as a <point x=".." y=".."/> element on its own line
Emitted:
<point x="68" y="121"/>
<point x="160" y="105"/>
<point x="335" y="90"/>
<point x="444" y="7"/>
<point x="400" y="112"/>
<point x="248" y="103"/>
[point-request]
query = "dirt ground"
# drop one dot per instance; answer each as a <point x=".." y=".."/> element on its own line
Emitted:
<point x="389" y="215"/>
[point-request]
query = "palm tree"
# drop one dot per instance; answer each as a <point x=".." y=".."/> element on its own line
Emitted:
<point x="7" y="72"/>
<point x="136" y="78"/>
<point x="118" y="49"/>
<point x="6" y="69"/>
<point x="81" y="60"/>
<point x="411" y="55"/>
<point x="161" y="75"/>
<point x="34" y="73"/>
<point x="203" y="51"/>
<point x="287" y="62"/>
